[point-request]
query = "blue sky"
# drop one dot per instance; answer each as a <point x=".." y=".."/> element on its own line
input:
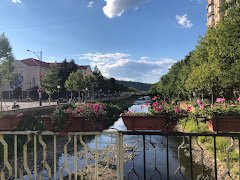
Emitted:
<point x="134" y="40"/>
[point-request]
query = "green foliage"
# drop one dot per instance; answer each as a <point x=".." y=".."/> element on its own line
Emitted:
<point x="136" y="85"/>
<point x="225" y="110"/>
<point x="189" y="124"/>
<point x="51" y="80"/>
<point x="59" y="119"/>
<point x="6" y="60"/>
<point x="213" y="68"/>
<point x="66" y="69"/>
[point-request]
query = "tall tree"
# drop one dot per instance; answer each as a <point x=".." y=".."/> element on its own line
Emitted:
<point x="70" y="83"/>
<point x="66" y="69"/>
<point x="51" y="80"/>
<point x="6" y="59"/>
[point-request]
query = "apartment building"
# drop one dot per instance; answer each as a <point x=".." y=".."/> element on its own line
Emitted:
<point x="214" y="15"/>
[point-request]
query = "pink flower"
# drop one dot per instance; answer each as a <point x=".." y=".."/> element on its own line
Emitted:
<point x="212" y="106"/>
<point x="146" y="104"/>
<point x="220" y="100"/>
<point x="154" y="104"/>
<point x="198" y="101"/>
<point x="176" y="110"/>
<point x="201" y="106"/>
<point x="189" y="108"/>
<point x="238" y="99"/>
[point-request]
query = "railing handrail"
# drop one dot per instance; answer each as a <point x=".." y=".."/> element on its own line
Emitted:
<point x="161" y="133"/>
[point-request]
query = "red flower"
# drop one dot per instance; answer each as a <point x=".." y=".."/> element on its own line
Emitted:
<point x="189" y="108"/>
<point x="154" y="104"/>
<point x="146" y="104"/>
<point x="154" y="97"/>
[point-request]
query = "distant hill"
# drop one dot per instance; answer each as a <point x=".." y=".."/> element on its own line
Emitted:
<point x="137" y="85"/>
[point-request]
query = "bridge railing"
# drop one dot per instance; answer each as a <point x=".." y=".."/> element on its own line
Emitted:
<point x="111" y="155"/>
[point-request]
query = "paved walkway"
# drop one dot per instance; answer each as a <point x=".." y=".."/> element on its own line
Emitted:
<point x="23" y="105"/>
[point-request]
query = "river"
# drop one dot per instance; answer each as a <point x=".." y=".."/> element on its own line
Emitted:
<point x="156" y="167"/>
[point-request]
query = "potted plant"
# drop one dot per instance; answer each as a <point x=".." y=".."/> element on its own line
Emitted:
<point x="58" y="121"/>
<point x="81" y="117"/>
<point x="10" y="121"/>
<point x="160" y="116"/>
<point x="221" y="116"/>
<point x="90" y="116"/>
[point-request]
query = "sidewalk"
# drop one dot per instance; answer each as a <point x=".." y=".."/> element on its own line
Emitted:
<point x="23" y="105"/>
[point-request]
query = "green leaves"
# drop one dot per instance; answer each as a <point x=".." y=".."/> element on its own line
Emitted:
<point x="213" y="68"/>
<point x="51" y="80"/>
<point x="6" y="59"/>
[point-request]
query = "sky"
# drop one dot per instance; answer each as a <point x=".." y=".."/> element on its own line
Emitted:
<point x="136" y="40"/>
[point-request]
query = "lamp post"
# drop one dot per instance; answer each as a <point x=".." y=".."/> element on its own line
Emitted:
<point x="40" y="90"/>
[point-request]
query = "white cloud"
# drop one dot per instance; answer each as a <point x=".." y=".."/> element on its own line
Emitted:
<point x="114" y="8"/>
<point x="122" y="66"/>
<point x="90" y="4"/>
<point x="17" y="1"/>
<point x="183" y="21"/>
<point x="99" y="57"/>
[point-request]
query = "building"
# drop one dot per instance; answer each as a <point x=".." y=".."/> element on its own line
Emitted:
<point x="28" y="73"/>
<point x="214" y="15"/>
<point x="215" y="10"/>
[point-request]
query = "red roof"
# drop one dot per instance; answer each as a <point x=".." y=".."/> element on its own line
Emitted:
<point x="83" y="67"/>
<point x="35" y="62"/>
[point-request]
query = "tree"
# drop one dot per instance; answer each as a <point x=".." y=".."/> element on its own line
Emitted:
<point x="70" y="83"/>
<point x="51" y="80"/>
<point x="6" y="59"/>
<point x="66" y="69"/>
<point x="75" y="82"/>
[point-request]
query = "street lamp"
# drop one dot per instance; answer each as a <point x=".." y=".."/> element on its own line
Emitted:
<point x="40" y="90"/>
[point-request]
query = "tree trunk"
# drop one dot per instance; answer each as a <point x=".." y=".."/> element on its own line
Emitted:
<point x="49" y="99"/>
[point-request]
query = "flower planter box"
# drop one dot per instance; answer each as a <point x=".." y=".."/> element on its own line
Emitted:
<point x="10" y="122"/>
<point x="139" y="122"/>
<point x="74" y="124"/>
<point x="225" y="123"/>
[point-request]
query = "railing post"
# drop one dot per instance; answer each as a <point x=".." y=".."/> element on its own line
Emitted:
<point x="144" y="158"/>
<point x="35" y="156"/>
<point x="75" y="158"/>
<point x="55" y="157"/>
<point x="15" y="157"/>
<point x="215" y="157"/>
<point x="119" y="144"/>
<point x="191" y="160"/>
<point x="167" y="158"/>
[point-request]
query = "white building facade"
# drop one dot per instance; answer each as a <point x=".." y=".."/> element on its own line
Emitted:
<point x="28" y="73"/>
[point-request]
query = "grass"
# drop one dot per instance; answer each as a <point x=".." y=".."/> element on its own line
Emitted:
<point x="190" y="125"/>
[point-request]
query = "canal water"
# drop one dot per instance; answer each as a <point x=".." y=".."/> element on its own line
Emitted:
<point x="155" y="150"/>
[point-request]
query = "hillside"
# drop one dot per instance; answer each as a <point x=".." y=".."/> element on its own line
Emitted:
<point x="137" y="85"/>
